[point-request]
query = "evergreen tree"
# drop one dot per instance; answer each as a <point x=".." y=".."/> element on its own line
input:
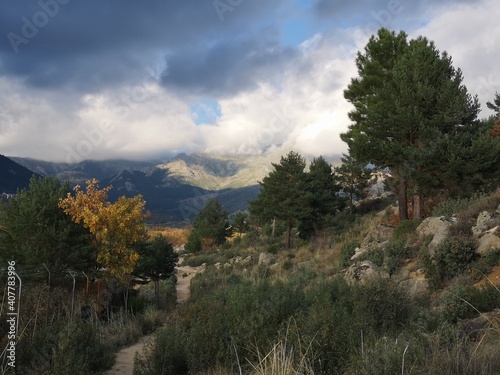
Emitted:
<point x="240" y="222"/>
<point x="34" y="230"/>
<point x="495" y="105"/>
<point x="282" y="195"/>
<point x="210" y="227"/>
<point x="352" y="176"/>
<point x="408" y="100"/>
<point x="324" y="202"/>
<point x="157" y="261"/>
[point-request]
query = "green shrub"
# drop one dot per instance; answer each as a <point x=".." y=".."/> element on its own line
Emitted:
<point x="405" y="229"/>
<point x="452" y="206"/>
<point x="346" y="252"/>
<point x="395" y="253"/>
<point x="466" y="301"/>
<point x="454" y="255"/>
<point x="61" y="349"/>
<point x="376" y="256"/>
<point x="484" y="265"/>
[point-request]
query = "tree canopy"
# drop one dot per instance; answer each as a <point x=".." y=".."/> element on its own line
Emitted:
<point x="210" y="227"/>
<point x="352" y="176"/>
<point x="282" y="195"/>
<point x="157" y="261"/>
<point x="413" y="114"/>
<point x="33" y="230"/>
<point x="115" y="227"/>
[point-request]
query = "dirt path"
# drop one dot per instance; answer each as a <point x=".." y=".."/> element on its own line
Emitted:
<point x="124" y="362"/>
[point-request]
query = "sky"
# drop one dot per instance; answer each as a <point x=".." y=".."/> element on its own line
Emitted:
<point x="108" y="79"/>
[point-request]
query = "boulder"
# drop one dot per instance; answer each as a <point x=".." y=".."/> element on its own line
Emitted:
<point x="489" y="240"/>
<point x="481" y="223"/>
<point x="363" y="272"/>
<point x="265" y="259"/>
<point x="375" y="239"/>
<point x="436" y="227"/>
<point x="415" y="287"/>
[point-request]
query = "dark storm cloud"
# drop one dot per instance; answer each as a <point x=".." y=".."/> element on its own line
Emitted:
<point x="228" y="67"/>
<point x="91" y="43"/>
<point x="382" y="10"/>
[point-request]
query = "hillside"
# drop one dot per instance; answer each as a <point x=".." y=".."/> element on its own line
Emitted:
<point x="13" y="176"/>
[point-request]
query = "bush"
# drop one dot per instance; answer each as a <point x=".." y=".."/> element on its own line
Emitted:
<point x="346" y="252"/>
<point x="454" y="255"/>
<point x="63" y="349"/>
<point x="376" y="256"/>
<point x="395" y="253"/>
<point x="405" y="229"/>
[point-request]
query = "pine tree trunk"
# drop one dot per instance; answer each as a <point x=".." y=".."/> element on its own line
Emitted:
<point x="418" y="205"/>
<point x="402" y="199"/>
<point x="289" y="233"/>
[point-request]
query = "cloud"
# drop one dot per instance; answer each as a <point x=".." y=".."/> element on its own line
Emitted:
<point x="470" y="39"/>
<point x="120" y="80"/>
<point x="93" y="44"/>
<point x="228" y="67"/>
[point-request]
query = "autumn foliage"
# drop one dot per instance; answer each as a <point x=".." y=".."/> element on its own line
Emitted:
<point x="114" y="226"/>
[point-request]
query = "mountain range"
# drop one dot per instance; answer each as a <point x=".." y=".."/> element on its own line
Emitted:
<point x="174" y="190"/>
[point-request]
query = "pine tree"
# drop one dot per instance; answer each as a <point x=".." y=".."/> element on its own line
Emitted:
<point x="33" y="230"/>
<point x="210" y="227"/>
<point x="322" y="192"/>
<point x="157" y="261"/>
<point x="282" y="195"/>
<point x="407" y="97"/>
<point x="352" y="176"/>
<point x="495" y="105"/>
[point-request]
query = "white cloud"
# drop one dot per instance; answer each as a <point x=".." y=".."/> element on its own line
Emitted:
<point x="469" y="33"/>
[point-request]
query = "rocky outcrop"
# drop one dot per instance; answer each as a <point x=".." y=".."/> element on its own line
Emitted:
<point x="376" y="239"/>
<point x="436" y="227"/>
<point x="489" y="240"/>
<point x="265" y="259"/>
<point x="364" y="272"/>
<point x="481" y="223"/>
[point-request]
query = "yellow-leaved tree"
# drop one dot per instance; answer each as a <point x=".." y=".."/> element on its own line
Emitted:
<point x="115" y="226"/>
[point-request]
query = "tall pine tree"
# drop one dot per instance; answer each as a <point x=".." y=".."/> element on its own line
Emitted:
<point x="282" y="195"/>
<point x="408" y="100"/>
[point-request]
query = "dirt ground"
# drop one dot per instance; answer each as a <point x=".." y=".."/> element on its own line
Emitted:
<point x="124" y="362"/>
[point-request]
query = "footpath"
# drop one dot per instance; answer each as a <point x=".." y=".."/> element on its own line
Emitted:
<point x="124" y="362"/>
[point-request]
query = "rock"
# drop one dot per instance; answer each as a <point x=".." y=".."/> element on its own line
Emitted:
<point x="481" y="223"/>
<point x="247" y="260"/>
<point x="364" y="272"/>
<point x="376" y="239"/>
<point x="489" y="240"/>
<point x="265" y="259"/>
<point x="415" y="287"/>
<point x="475" y="328"/>
<point x="438" y="228"/>
<point x="497" y="212"/>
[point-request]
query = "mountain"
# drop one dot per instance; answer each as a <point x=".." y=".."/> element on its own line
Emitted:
<point x="78" y="173"/>
<point x="174" y="190"/>
<point x="216" y="172"/>
<point x="13" y="176"/>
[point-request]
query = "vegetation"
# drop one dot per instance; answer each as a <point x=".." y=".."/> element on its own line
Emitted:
<point x="157" y="261"/>
<point x="313" y="309"/>
<point x="34" y="231"/>
<point x="414" y="115"/>
<point x="115" y="226"/>
<point x="210" y="228"/>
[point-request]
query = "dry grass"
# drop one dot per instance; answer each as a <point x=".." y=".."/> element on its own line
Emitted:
<point x="176" y="236"/>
